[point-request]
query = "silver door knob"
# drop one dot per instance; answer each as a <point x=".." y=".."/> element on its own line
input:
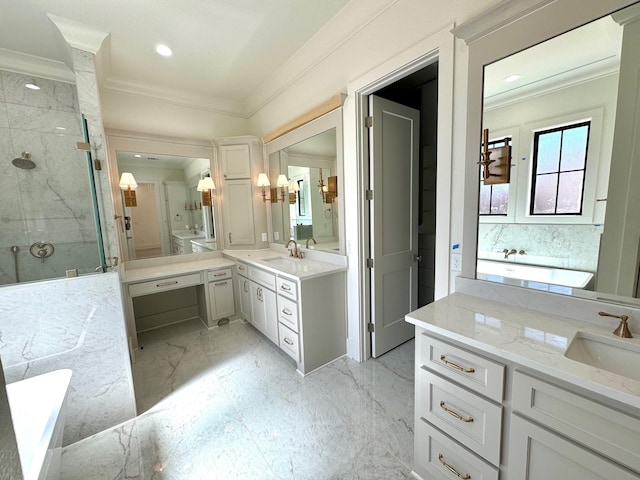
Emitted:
<point x="417" y="258"/>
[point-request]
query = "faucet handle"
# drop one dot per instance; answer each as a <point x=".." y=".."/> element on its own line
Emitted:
<point x="623" y="329"/>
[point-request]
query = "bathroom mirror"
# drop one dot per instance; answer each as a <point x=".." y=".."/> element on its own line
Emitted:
<point x="555" y="104"/>
<point x="168" y="203"/>
<point x="310" y="157"/>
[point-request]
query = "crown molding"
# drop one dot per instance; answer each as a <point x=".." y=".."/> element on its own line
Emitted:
<point x="148" y="137"/>
<point x="121" y="86"/>
<point x="26" y="64"/>
<point x="502" y="14"/>
<point x="78" y="35"/>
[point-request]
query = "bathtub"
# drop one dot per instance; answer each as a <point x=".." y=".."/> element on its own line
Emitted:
<point x="37" y="411"/>
<point x="532" y="275"/>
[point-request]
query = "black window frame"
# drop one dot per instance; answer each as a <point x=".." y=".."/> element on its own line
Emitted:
<point x="534" y="167"/>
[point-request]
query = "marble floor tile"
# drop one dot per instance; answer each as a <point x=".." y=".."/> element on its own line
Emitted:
<point x="227" y="404"/>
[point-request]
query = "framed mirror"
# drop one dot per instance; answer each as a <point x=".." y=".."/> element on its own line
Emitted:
<point x="311" y="207"/>
<point x="557" y="107"/>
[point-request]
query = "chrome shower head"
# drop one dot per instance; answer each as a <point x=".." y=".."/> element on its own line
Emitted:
<point x="24" y="161"/>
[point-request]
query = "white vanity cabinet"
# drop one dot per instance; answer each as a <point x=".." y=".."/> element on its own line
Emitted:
<point x="177" y="246"/>
<point x="244" y="213"/>
<point x="263" y="303"/>
<point x="244" y="291"/>
<point x="220" y="285"/>
<point x="459" y="393"/>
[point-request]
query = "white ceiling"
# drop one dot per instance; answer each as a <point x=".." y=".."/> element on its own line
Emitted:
<point x="223" y="49"/>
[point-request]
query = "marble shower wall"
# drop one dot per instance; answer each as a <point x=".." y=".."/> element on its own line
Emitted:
<point x="51" y="202"/>
<point x="575" y="247"/>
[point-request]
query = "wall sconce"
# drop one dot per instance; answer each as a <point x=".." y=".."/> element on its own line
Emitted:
<point x="206" y="186"/>
<point x="263" y="181"/>
<point x="128" y="184"/>
<point x="293" y="192"/>
<point x="331" y="189"/>
<point x="282" y="183"/>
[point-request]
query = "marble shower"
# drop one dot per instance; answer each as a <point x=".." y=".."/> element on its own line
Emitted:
<point x="51" y="202"/>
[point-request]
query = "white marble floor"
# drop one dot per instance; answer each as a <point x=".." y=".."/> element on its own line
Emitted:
<point x="227" y="404"/>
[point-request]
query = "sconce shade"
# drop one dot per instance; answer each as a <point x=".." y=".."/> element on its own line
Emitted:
<point x="127" y="181"/>
<point x="282" y="181"/>
<point x="293" y="186"/>
<point x="206" y="185"/>
<point x="263" y="180"/>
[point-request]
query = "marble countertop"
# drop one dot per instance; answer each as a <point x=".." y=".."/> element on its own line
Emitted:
<point x="130" y="275"/>
<point x="299" y="269"/>
<point x="187" y="234"/>
<point x="532" y="339"/>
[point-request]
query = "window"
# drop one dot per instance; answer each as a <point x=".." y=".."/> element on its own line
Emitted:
<point x="559" y="166"/>
<point x="494" y="199"/>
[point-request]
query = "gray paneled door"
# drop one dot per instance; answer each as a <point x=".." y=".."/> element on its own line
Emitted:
<point x="394" y="168"/>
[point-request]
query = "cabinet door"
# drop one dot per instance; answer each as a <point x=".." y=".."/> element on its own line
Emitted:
<point x="245" y="298"/>
<point x="236" y="161"/>
<point x="258" y="311"/>
<point x="271" y="315"/>
<point x="538" y="454"/>
<point x="221" y="299"/>
<point x="238" y="213"/>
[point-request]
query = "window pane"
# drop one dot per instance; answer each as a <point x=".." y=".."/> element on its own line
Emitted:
<point x="548" y="152"/>
<point x="545" y="194"/>
<point x="570" y="192"/>
<point x="500" y="199"/>
<point x="485" y="198"/>
<point x="574" y="148"/>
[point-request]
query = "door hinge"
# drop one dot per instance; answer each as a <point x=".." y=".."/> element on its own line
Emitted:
<point x="368" y="195"/>
<point x="369" y="262"/>
<point x="368" y="121"/>
<point x="371" y="327"/>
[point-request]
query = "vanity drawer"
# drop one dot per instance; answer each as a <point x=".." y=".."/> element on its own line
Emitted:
<point x="287" y="288"/>
<point x="467" y="417"/>
<point x="473" y="371"/>
<point x="437" y="456"/>
<point x="265" y="279"/>
<point x="154" y="286"/>
<point x="289" y="342"/>
<point x="215" y="275"/>
<point x="288" y="313"/>
<point x="242" y="269"/>
<point x="613" y="433"/>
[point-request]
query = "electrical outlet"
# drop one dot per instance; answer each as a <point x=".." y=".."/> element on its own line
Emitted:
<point x="276" y="235"/>
<point x="456" y="262"/>
<point x="264" y="236"/>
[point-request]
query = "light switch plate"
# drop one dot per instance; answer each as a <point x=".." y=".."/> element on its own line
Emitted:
<point x="264" y="236"/>
<point x="276" y="235"/>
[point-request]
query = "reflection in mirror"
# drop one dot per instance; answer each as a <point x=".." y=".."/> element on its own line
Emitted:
<point x="309" y="210"/>
<point x="169" y="212"/>
<point x="555" y="106"/>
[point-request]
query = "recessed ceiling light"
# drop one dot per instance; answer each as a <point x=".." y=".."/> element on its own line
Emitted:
<point x="137" y="155"/>
<point x="163" y="50"/>
<point x="512" y="78"/>
<point x="32" y="86"/>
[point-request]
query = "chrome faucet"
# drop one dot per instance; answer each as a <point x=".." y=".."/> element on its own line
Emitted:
<point x="623" y="329"/>
<point x="295" y="251"/>
<point x="508" y="252"/>
<point x="311" y="238"/>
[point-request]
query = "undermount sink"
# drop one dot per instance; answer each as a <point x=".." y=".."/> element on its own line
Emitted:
<point x="278" y="261"/>
<point x="615" y="355"/>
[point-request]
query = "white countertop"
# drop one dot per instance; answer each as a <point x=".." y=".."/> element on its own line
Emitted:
<point x="204" y="242"/>
<point x="130" y="275"/>
<point x="299" y="269"/>
<point x="526" y="337"/>
<point x="187" y="234"/>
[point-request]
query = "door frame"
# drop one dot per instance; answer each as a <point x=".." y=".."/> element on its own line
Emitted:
<point x="437" y="47"/>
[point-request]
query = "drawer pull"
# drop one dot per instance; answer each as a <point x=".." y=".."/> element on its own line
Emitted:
<point x="285" y="287"/>
<point x="456" y="366"/>
<point x="287" y="341"/>
<point x="455" y="414"/>
<point x="452" y="469"/>
<point x="219" y="274"/>
<point x="219" y="284"/>
<point x="286" y="311"/>
<point x="166" y="284"/>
